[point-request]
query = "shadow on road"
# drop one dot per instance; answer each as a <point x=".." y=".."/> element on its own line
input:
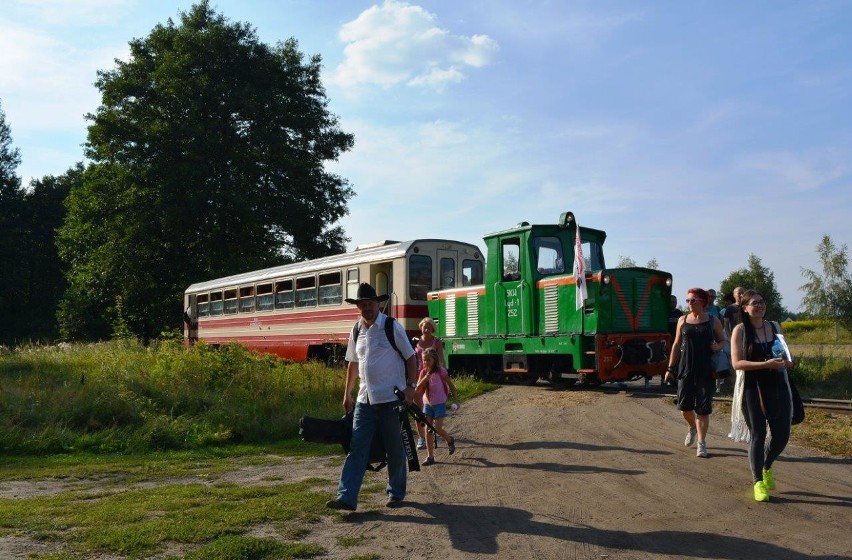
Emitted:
<point x="475" y="529"/>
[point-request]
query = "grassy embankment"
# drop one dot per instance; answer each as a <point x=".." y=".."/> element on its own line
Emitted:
<point x="115" y="414"/>
<point x="121" y="422"/>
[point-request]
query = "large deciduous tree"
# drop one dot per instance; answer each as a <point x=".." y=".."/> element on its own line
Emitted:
<point x="208" y="159"/>
<point x="755" y="276"/>
<point x="829" y="295"/>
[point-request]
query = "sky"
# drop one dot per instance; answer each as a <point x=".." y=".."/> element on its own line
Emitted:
<point x="694" y="133"/>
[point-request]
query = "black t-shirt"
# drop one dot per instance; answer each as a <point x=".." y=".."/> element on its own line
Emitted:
<point x="674" y="315"/>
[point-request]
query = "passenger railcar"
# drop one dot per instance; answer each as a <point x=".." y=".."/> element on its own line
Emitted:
<point x="297" y="311"/>
<point x="523" y="322"/>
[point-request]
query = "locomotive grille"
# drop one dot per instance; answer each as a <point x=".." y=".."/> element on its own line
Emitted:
<point x="551" y="309"/>
<point x="472" y="314"/>
<point x="631" y="311"/>
<point x="451" y="315"/>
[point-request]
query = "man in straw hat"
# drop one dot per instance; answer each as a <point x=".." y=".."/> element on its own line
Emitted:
<point x="380" y="370"/>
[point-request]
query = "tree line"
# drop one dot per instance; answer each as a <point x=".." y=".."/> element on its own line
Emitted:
<point x="206" y="158"/>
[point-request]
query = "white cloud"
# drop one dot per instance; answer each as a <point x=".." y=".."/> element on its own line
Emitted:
<point x="807" y="171"/>
<point x="399" y="43"/>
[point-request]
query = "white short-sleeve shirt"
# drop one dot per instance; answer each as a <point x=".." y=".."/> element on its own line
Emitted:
<point x="380" y="369"/>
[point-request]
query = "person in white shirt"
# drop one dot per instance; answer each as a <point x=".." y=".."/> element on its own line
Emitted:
<point x="380" y="369"/>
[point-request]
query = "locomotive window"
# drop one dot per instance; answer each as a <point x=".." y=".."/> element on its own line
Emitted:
<point x="448" y="273"/>
<point x="230" y="301"/>
<point x="548" y="254"/>
<point x="352" y="283"/>
<point x="419" y="276"/>
<point x="203" y="305"/>
<point x="216" y="307"/>
<point x="471" y="273"/>
<point x="330" y="289"/>
<point x="284" y="295"/>
<point x="594" y="257"/>
<point x="247" y="299"/>
<point x="511" y="260"/>
<point x="306" y="291"/>
<point x="264" y="297"/>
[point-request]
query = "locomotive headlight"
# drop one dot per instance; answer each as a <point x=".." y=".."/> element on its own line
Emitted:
<point x="669" y="282"/>
<point x="606" y="279"/>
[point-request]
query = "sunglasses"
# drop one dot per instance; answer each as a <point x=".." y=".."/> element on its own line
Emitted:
<point x="693" y="300"/>
<point x="757" y="302"/>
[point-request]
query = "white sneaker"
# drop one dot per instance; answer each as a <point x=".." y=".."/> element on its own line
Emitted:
<point x="421" y="443"/>
<point x="702" y="450"/>
<point x="690" y="437"/>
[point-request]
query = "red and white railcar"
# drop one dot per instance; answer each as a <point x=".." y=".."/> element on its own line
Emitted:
<point x="297" y="311"/>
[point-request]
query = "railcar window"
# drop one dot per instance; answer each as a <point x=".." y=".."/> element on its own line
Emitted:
<point x="330" y="288"/>
<point x="448" y="272"/>
<point x="511" y="260"/>
<point x="306" y="291"/>
<point x="548" y="255"/>
<point x="471" y="273"/>
<point x="264" y="297"/>
<point x="419" y="276"/>
<point x="216" y="307"/>
<point x="247" y="299"/>
<point x="230" y="301"/>
<point x="352" y="283"/>
<point x="203" y="304"/>
<point x="284" y="298"/>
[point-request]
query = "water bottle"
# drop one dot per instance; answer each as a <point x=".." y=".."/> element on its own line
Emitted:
<point x="777" y="349"/>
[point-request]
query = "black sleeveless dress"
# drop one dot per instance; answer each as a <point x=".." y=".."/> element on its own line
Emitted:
<point x="694" y="364"/>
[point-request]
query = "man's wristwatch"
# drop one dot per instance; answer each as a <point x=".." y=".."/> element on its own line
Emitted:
<point x="412" y="384"/>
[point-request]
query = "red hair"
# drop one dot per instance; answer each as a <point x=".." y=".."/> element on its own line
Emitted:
<point x="700" y="294"/>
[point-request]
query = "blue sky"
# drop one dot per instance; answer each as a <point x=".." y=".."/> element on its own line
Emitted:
<point x="695" y="133"/>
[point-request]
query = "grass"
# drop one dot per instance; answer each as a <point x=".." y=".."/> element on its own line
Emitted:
<point x="136" y="439"/>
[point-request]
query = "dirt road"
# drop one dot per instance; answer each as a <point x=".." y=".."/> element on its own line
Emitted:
<point x="581" y="474"/>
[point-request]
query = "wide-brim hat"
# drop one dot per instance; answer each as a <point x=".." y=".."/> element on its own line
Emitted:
<point x="366" y="293"/>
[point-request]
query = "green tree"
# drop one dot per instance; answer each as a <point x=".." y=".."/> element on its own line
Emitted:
<point x="208" y="159"/>
<point x="755" y="276"/>
<point x="629" y="262"/>
<point x="829" y="295"/>
<point x="11" y="234"/>
<point x="43" y="270"/>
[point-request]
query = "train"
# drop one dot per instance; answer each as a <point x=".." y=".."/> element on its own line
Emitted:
<point x="509" y="314"/>
<point x="525" y="323"/>
<point x="298" y="311"/>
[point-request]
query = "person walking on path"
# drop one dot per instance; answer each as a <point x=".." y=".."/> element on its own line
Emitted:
<point x="436" y="386"/>
<point x="766" y="394"/>
<point x="427" y="340"/>
<point x="380" y="369"/>
<point x="698" y="335"/>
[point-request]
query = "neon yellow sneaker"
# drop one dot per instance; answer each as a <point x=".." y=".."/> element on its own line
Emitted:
<point x="761" y="494"/>
<point x="768" y="479"/>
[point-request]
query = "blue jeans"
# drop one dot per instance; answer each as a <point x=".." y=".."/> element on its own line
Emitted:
<point x="368" y="419"/>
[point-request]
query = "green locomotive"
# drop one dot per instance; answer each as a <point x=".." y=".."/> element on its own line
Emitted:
<point x="524" y="322"/>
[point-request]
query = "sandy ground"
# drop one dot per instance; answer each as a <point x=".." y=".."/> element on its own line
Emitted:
<point x="579" y="474"/>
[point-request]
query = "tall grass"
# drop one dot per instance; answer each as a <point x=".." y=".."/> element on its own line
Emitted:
<point x="123" y="397"/>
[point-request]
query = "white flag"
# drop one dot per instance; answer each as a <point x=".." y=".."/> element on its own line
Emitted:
<point x="579" y="269"/>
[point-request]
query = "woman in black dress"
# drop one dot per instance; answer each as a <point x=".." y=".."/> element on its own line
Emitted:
<point x="698" y="336"/>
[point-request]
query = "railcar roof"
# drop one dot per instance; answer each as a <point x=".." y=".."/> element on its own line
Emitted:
<point x="373" y="252"/>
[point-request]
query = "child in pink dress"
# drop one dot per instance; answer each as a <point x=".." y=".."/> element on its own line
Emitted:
<point x="436" y="386"/>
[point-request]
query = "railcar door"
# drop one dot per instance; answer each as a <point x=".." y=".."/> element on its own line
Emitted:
<point x="512" y="291"/>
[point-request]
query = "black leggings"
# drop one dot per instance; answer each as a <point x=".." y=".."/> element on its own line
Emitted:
<point x="761" y="456"/>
